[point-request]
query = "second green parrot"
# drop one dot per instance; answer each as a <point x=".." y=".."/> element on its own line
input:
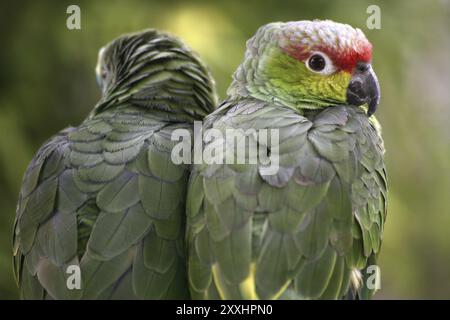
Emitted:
<point x="312" y="229"/>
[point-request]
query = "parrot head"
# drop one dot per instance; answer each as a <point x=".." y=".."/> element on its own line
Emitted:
<point x="139" y="66"/>
<point x="122" y="62"/>
<point x="308" y="65"/>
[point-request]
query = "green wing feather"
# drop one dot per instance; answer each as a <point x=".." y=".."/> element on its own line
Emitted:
<point x="301" y="232"/>
<point x="125" y="227"/>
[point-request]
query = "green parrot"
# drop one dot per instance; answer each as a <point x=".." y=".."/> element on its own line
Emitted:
<point x="103" y="200"/>
<point x="311" y="229"/>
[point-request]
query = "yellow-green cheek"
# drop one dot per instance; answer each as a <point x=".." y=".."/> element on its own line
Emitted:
<point x="338" y="84"/>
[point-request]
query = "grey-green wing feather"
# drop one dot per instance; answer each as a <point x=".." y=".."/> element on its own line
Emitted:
<point x="104" y="197"/>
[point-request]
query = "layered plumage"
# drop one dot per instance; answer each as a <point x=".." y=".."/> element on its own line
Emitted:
<point x="311" y="228"/>
<point x="105" y="195"/>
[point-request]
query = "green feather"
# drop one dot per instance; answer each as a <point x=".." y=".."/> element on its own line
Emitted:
<point x="113" y="233"/>
<point x="119" y="194"/>
<point x="314" y="278"/>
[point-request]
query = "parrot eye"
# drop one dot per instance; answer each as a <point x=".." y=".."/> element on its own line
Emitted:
<point x="316" y="62"/>
<point x="103" y="74"/>
<point x="319" y="62"/>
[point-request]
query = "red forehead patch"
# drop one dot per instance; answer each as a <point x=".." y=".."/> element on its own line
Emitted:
<point x="344" y="58"/>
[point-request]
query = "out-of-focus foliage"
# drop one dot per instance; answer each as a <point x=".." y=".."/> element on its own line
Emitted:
<point x="47" y="82"/>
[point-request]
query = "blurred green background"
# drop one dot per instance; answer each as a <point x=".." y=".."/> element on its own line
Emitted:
<point x="47" y="82"/>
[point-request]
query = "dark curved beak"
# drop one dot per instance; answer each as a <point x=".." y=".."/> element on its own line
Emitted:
<point x="364" y="88"/>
